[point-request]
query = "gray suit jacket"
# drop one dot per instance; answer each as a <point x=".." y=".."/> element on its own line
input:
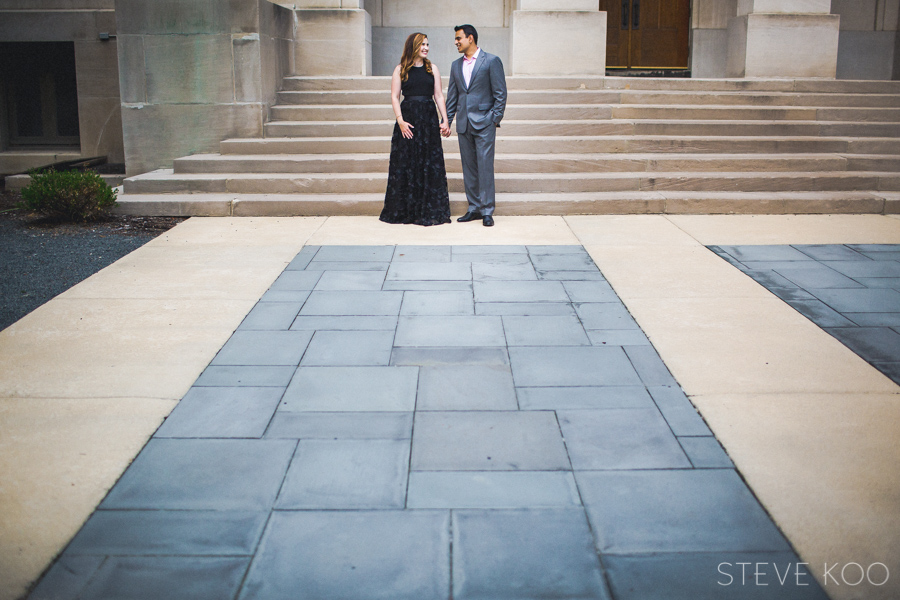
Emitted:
<point x="484" y="101"/>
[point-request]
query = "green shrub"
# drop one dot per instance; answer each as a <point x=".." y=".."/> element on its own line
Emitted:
<point x="68" y="195"/>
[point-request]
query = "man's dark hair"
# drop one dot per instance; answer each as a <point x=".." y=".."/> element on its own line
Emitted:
<point x="467" y="31"/>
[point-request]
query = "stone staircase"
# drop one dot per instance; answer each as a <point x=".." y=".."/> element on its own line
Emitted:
<point x="567" y="145"/>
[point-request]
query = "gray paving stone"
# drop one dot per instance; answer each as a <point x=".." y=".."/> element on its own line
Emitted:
<point x="627" y="438"/>
<point x="303" y="258"/>
<point x="880" y="282"/>
<point x="617" y="337"/>
<point x="774" y="265"/>
<point x="520" y="291"/>
<point x="173" y="578"/>
<point x="170" y="532"/>
<point x="290" y="281"/>
<point x="434" y="357"/>
<point x="498" y="489"/>
<point x="350" y="280"/>
<point x="678" y="411"/>
<point x="571" y="367"/>
<point x="524" y="308"/>
<point x="325" y="265"/>
<point x="245" y="377"/>
<point x="554" y="249"/>
<point x="358" y="303"/>
<point x="341" y="426"/>
<point x="416" y="271"/>
<point x="449" y="332"/>
<point x="339" y="348"/>
<point x="430" y="254"/>
<point x="605" y="315"/>
<point x="66" y="578"/>
<point x="524" y="554"/>
<point x="570" y="276"/>
<point x="890" y="369"/>
<point x="862" y="300"/>
<point x="346" y="474"/>
<point x="494" y="259"/>
<point x="372" y="323"/>
<point x="649" y="366"/>
<point x="874" y="344"/>
<point x="446" y="303"/>
<point x="298" y="296"/>
<point x="873" y="247"/>
<point x="705" y="452"/>
<point x="771" y="279"/>
<point x="561" y="398"/>
<point x="263" y="348"/>
<point x="203" y="474"/>
<point x="271" y="316"/>
<point x="340" y="389"/>
<point x="875" y="319"/>
<point x="817" y="275"/>
<point x="222" y="412"/>
<point x="821" y="314"/>
<point x="829" y="252"/>
<point x="563" y="262"/>
<point x="428" y="286"/>
<point x="866" y="268"/>
<point x="688" y="510"/>
<point x="544" y="331"/>
<point x="485" y="249"/>
<point x="488" y="441"/>
<point x="791" y="294"/>
<point x="379" y="555"/>
<point x="466" y="387"/>
<point x="694" y="576"/>
<point x="894" y="255"/>
<point x="590" y="291"/>
<point x="503" y="272"/>
<point x="355" y="253"/>
<point x="765" y="253"/>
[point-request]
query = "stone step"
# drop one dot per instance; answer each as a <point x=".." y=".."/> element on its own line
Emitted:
<point x="539" y="163"/>
<point x="568" y="144"/>
<point x="520" y="82"/>
<point x="367" y="112"/>
<point x="625" y="96"/>
<point x="648" y="202"/>
<point x="618" y="127"/>
<point x="165" y="181"/>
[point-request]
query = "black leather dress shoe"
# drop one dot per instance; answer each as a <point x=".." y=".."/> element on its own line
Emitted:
<point x="488" y="221"/>
<point x="469" y="216"/>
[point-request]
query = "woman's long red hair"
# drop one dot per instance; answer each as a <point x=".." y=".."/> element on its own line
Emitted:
<point x="410" y="54"/>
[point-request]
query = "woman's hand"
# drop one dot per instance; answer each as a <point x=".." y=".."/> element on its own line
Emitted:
<point x="405" y="129"/>
<point x="445" y="130"/>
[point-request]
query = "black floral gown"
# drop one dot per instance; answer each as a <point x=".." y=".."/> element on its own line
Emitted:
<point x="417" y="179"/>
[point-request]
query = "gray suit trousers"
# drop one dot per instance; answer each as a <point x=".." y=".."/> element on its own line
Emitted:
<point x="476" y="149"/>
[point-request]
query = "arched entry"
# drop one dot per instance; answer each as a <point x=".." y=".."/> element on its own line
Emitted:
<point x="647" y="34"/>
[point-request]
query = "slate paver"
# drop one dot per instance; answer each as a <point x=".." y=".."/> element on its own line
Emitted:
<point x="272" y="316"/>
<point x="563" y="262"/>
<point x="649" y="366"/>
<point x="335" y="348"/>
<point x="564" y="276"/>
<point x="678" y="411"/>
<point x="445" y="303"/>
<point x="352" y="303"/>
<point x="874" y="344"/>
<point x="354" y="254"/>
<point x="295" y="281"/>
<point x="524" y="554"/>
<point x="563" y="398"/>
<point x="829" y="252"/>
<point x="503" y="272"/>
<point x="350" y="280"/>
<point x="524" y="308"/>
<point x="498" y="489"/>
<point x="520" y="291"/>
<point x="365" y="555"/>
<point x="263" y="348"/>
<point x="237" y="376"/>
<point x="449" y="331"/>
<point x="222" y="412"/>
<point x="430" y="254"/>
<point x="434" y="357"/>
<point x="468" y="387"/>
<point x="765" y="253"/>
<point x="605" y="315"/>
<point x="562" y="366"/>
<point x="705" y="452"/>
<point x="363" y="389"/>
<point x="617" y="337"/>
<point x="866" y="268"/>
<point x="817" y="275"/>
<point x="821" y="314"/>
<point x="341" y="426"/>
<point x="488" y="441"/>
<point x="440" y="271"/>
<point x="347" y="323"/>
<point x="544" y="331"/>
<point x="860" y="300"/>
<point x="590" y="291"/>
<point x="66" y="578"/>
<point x="346" y="474"/>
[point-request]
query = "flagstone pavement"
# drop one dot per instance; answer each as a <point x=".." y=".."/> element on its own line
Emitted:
<point x="579" y="407"/>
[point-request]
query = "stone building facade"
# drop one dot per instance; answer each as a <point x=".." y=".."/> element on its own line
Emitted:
<point x="145" y="82"/>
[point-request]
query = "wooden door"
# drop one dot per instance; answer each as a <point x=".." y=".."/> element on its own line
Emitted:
<point x="647" y="34"/>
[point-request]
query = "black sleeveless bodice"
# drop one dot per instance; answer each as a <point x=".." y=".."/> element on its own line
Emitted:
<point x="419" y="82"/>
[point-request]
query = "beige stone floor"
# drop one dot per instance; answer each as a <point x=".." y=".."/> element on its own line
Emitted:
<point x="87" y="378"/>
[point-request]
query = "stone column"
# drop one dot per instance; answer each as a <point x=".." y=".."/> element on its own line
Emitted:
<point x="558" y="37"/>
<point x="332" y="37"/>
<point x="783" y="38"/>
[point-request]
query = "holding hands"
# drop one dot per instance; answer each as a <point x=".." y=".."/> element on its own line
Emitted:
<point x="445" y="129"/>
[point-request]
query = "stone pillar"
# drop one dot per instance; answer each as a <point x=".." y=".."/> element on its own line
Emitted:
<point x="558" y="37"/>
<point x="783" y="38"/>
<point x="332" y="37"/>
<point x="195" y="72"/>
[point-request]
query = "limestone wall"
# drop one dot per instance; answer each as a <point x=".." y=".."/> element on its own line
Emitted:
<point x="195" y="72"/>
<point x="709" y="36"/>
<point x="868" y="39"/>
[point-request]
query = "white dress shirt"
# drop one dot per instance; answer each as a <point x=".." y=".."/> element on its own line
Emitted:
<point x="469" y="66"/>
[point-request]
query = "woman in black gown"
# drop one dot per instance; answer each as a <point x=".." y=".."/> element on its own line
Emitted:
<point x="417" y="180"/>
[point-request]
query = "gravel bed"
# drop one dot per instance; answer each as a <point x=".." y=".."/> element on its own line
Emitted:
<point x="40" y="259"/>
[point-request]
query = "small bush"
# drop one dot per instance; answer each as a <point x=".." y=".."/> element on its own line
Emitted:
<point x="69" y="195"/>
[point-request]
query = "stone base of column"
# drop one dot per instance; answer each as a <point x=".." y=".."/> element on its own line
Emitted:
<point x="783" y="45"/>
<point x="332" y="42"/>
<point x="563" y="42"/>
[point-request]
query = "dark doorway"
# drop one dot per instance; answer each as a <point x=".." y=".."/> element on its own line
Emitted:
<point x="647" y="34"/>
<point x="38" y="79"/>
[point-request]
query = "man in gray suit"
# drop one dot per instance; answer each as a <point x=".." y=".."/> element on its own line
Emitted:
<point x="477" y="95"/>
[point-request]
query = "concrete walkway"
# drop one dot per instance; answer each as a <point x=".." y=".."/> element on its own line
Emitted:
<point x="392" y="463"/>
